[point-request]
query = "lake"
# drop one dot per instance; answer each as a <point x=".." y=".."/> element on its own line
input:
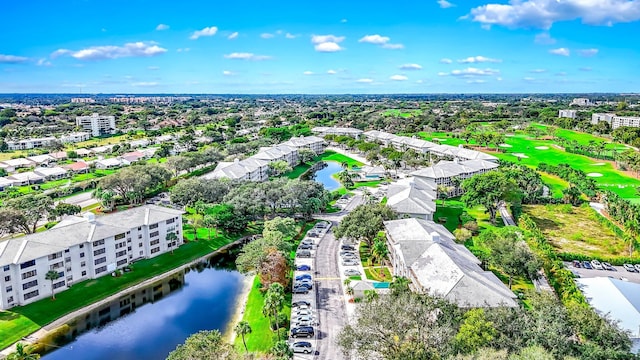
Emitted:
<point x="324" y="175"/>
<point x="149" y="323"/>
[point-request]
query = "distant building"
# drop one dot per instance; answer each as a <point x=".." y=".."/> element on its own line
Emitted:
<point x="75" y="137"/>
<point x="53" y="173"/>
<point x="571" y="114"/>
<point x="97" y="124"/>
<point x="25" y="178"/>
<point x="581" y="102"/>
<point x="83" y="100"/>
<point x="323" y="131"/>
<point x="313" y="143"/>
<point x="615" y="121"/>
<point x="426" y="253"/>
<point x="82" y="248"/>
<point x="26" y="144"/>
<point x="12" y="165"/>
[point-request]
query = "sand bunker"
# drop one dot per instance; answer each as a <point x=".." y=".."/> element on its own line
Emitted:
<point x="509" y="135"/>
<point x="594" y="174"/>
<point x="542" y="148"/>
<point x="598" y="164"/>
<point x="521" y="155"/>
<point x="505" y="145"/>
<point x="438" y="139"/>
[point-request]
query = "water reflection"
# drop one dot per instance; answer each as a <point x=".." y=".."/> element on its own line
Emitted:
<point x="323" y="172"/>
<point x="148" y="323"/>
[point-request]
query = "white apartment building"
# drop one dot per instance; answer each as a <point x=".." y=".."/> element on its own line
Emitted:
<point x="75" y="137"/>
<point x="601" y="117"/>
<point x="615" y="121"/>
<point x="581" y="102"/>
<point x="26" y="144"/>
<point x="571" y="114"/>
<point x="444" y="173"/>
<point x="83" y="100"/>
<point x="313" y="143"/>
<point x="97" y="124"/>
<point x="323" y="131"/>
<point x="82" y="248"/>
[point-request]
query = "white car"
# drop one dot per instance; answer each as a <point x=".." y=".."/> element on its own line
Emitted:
<point x="596" y="264"/>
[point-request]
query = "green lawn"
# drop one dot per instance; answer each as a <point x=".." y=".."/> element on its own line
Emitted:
<point x="554" y="183"/>
<point x="442" y="138"/>
<point x="42" y="312"/>
<point x="360" y="184"/>
<point x="339" y="158"/>
<point x="584" y="138"/>
<point x="297" y="171"/>
<point x="453" y="209"/>
<point x="402" y="113"/>
<point x="373" y="273"/>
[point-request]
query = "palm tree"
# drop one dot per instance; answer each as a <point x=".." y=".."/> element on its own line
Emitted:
<point x="370" y="295"/>
<point x="52" y="275"/>
<point x="273" y="303"/>
<point x="400" y="284"/>
<point x="22" y="354"/>
<point x="379" y="251"/>
<point x="243" y="328"/>
<point x="345" y="178"/>
<point x="171" y="237"/>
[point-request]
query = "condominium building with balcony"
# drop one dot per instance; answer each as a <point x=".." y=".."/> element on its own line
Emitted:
<point x="97" y="124"/>
<point x="82" y="248"/>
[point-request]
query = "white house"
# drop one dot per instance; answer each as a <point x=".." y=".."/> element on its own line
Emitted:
<point x="26" y="144"/>
<point x="82" y="248"/>
<point x="53" y="173"/>
<point x="111" y="163"/>
<point x="571" y="114"/>
<point x="41" y="159"/>
<point x="12" y="165"/>
<point x="25" y="178"/>
<point x="5" y="183"/>
<point x="427" y="254"/>
<point x="97" y="124"/>
<point x="75" y="137"/>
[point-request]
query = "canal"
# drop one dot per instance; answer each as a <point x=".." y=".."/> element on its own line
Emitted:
<point x="149" y="323"/>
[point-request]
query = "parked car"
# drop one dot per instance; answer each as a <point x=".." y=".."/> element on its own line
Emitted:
<point x="347" y="247"/>
<point x="312" y="234"/>
<point x="349" y="262"/>
<point x="304" y="281"/>
<point x="303" y="253"/>
<point x="302" y="347"/>
<point x="302" y="331"/>
<point x="303" y="318"/>
<point x="607" y="266"/>
<point x="347" y="252"/>
<point x="629" y="268"/>
<point x="300" y="290"/>
<point x="637" y="266"/>
<point x="596" y="264"/>
<point x="300" y="303"/>
<point x="306" y="242"/>
<point x="303" y="276"/>
<point x="576" y="264"/>
<point x="303" y="268"/>
<point x="587" y="265"/>
<point x="351" y="272"/>
<point x="303" y="284"/>
<point x="305" y="247"/>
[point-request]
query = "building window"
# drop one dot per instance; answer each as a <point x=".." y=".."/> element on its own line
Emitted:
<point x="171" y="221"/>
<point x="141" y="253"/>
<point x="9" y="289"/>
<point x="7" y="278"/>
<point x="120" y="236"/>
<point x="100" y="261"/>
<point x="29" y="274"/>
<point x="84" y="263"/>
<point x="121" y="245"/>
<point x="56" y="265"/>
<point x="10" y="299"/>
<point x="6" y="268"/>
<point x="66" y="250"/>
<point x="58" y="285"/>
<point x="139" y="236"/>
<point x="101" y="269"/>
<point x="120" y="253"/>
<point x="27" y="264"/>
<point x="155" y="242"/>
<point x="55" y="256"/>
<point x="155" y="250"/>
<point x="98" y="243"/>
<point x="139" y="244"/>
<point x="155" y="233"/>
<point x="122" y="262"/>
<point x="84" y="273"/>
<point x="81" y="246"/>
<point x="99" y="252"/>
<point x="32" y="294"/>
<point x="81" y="254"/>
<point x="30" y="284"/>
<point x="153" y="226"/>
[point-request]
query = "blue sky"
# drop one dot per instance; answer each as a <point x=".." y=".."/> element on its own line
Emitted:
<point x="418" y="46"/>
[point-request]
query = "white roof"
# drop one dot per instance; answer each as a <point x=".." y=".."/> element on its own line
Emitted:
<point x="462" y="153"/>
<point x="445" y="169"/>
<point x="43" y="171"/>
<point x="4" y="182"/>
<point x="411" y="197"/>
<point x="25" y="176"/>
<point x="39" y="159"/>
<point x="18" y="162"/>
<point x="301" y="141"/>
<point x="101" y="149"/>
<point x="83" y="152"/>
<point x="231" y="170"/>
<point x="109" y="162"/>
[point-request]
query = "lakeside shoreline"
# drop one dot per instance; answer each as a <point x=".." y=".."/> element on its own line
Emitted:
<point x="240" y="307"/>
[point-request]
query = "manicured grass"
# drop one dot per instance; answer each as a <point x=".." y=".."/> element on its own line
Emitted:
<point x="442" y="138"/>
<point x="402" y="113"/>
<point x="584" y="138"/>
<point x="261" y="338"/>
<point x="452" y="209"/>
<point x="373" y="273"/>
<point x="297" y="171"/>
<point x="554" y="183"/>
<point x="87" y="292"/>
<point x="12" y="154"/>
<point x="360" y="184"/>
<point x="339" y="158"/>
<point x="101" y="141"/>
<point x="14" y="327"/>
<point x="577" y="231"/>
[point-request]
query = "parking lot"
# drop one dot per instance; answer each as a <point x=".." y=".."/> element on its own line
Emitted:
<point x="618" y="272"/>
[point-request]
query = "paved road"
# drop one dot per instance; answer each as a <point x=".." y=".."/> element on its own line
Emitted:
<point x="83" y="199"/>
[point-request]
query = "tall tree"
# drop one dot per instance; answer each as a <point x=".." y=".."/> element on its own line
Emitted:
<point x="204" y="345"/>
<point x="242" y="329"/>
<point x="31" y="209"/>
<point x="488" y="190"/>
<point x="273" y="304"/>
<point x="364" y="222"/>
<point x="52" y="276"/>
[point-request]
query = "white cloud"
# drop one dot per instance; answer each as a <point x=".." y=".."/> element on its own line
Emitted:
<point x="544" y="13"/>
<point x="528" y="78"/>
<point x="228" y="73"/>
<point x="471" y="71"/>
<point x="442" y="73"/>
<point x="331" y="72"/>
<point x="328" y="47"/>
<point x="43" y="62"/>
<point x="137" y="49"/>
<point x="161" y="27"/>
<point x="183" y="49"/>
<point x="233" y="35"/>
<point x="290" y="36"/>
<point x="308" y="73"/>
<point x="327" y="43"/>
<point x="588" y="52"/>
<point x="544" y="39"/>
<point x="145" y="84"/>
<point x="374" y="39"/>
<point x="410" y="67"/>
<point x="476" y="81"/>
<point x="266" y="36"/>
<point x="208" y="31"/>
<point x="319" y="39"/>
<point x="153" y="67"/>
<point x="446" y="61"/>
<point x="560" y="51"/>
<point x="478" y="59"/>
<point x="398" y="78"/>
<point x="445" y="4"/>
<point x="246" y="56"/>
<point x="499" y="78"/>
<point x="365" y="81"/>
<point x="538" y="71"/>
<point x="383" y="41"/>
<point x="12" y="59"/>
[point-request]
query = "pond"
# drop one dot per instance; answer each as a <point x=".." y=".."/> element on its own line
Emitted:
<point x="324" y="175"/>
<point x="149" y="323"/>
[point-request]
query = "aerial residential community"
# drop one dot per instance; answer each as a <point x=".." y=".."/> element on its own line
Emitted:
<point x="320" y="181"/>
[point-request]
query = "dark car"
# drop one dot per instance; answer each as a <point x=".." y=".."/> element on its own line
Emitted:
<point x="303" y="253"/>
<point x="302" y="331"/>
<point x="312" y="234"/>
<point x="347" y="247"/>
<point x="587" y="265"/>
<point x="303" y="276"/>
<point x="300" y="290"/>
<point x="303" y="268"/>
<point x="300" y="303"/>
<point x="305" y="247"/>
<point x="306" y="285"/>
<point x="576" y="264"/>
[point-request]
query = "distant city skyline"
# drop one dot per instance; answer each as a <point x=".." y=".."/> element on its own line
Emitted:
<point x="329" y="47"/>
